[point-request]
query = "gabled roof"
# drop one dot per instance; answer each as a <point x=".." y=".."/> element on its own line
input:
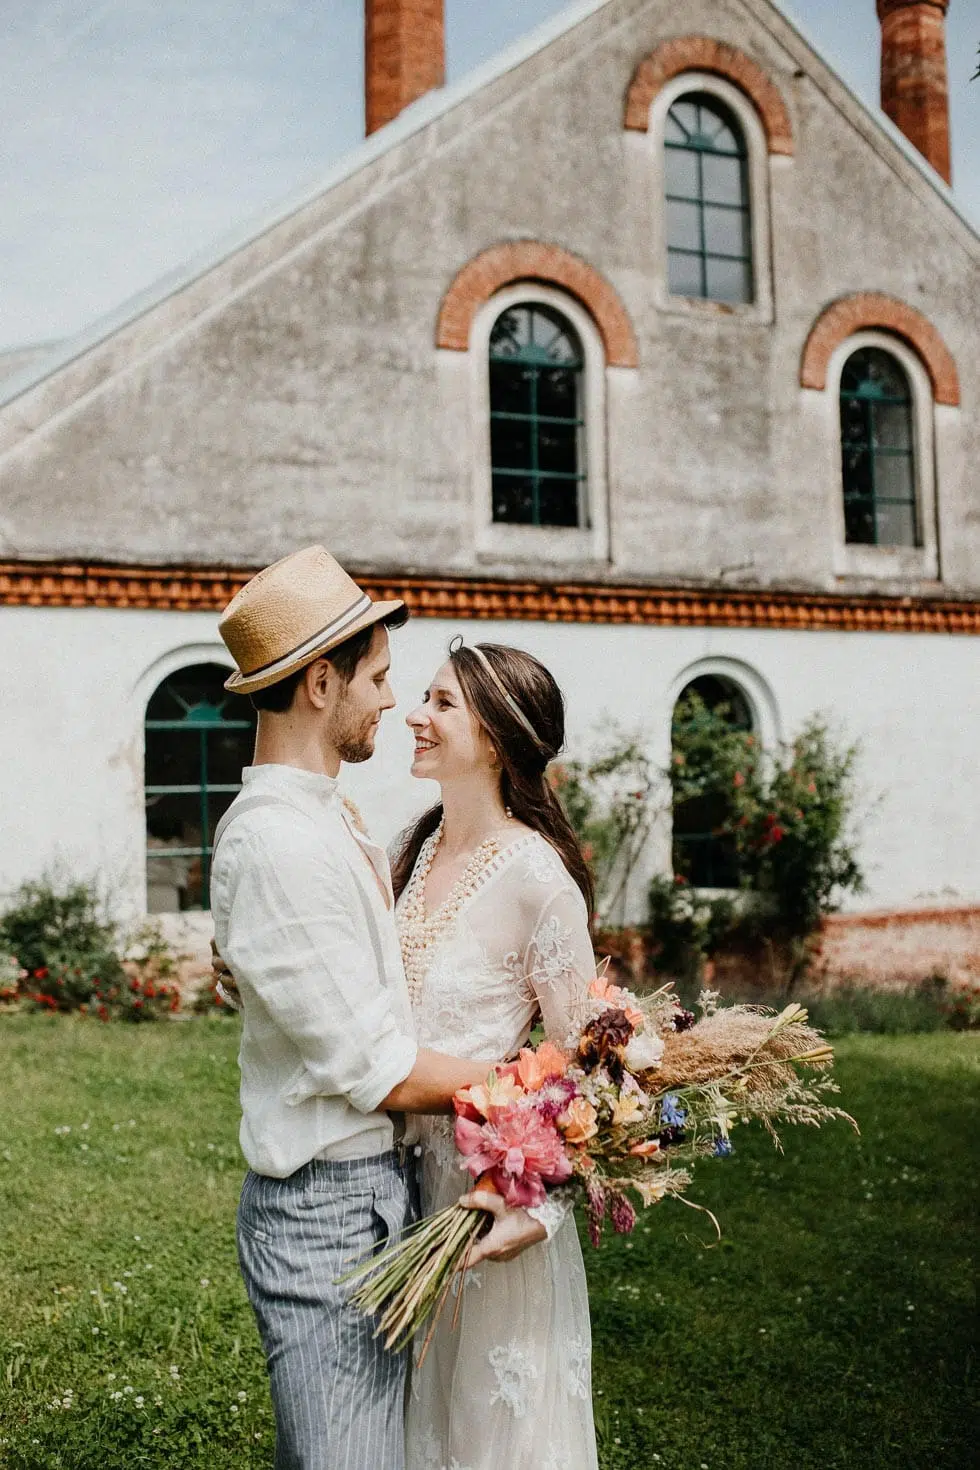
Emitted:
<point x="414" y="119"/>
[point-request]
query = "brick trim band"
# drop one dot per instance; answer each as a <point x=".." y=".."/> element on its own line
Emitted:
<point x="870" y="311"/>
<point x="703" y="53"/>
<point x="202" y="589"/>
<point x="534" y="260"/>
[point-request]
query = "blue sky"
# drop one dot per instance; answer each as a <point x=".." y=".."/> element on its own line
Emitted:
<point x="137" y="131"/>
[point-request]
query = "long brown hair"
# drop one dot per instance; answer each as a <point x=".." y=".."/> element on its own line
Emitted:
<point x="524" y="756"/>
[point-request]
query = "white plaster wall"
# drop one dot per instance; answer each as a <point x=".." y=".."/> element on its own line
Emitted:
<point x="76" y="682"/>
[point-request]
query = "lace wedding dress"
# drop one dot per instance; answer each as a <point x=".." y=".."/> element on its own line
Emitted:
<point x="509" y="1388"/>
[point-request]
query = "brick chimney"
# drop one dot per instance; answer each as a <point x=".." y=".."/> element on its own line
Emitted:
<point x="913" y="75"/>
<point x="404" y="55"/>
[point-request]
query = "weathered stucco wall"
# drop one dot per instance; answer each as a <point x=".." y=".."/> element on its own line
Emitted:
<point x="71" y="741"/>
<point x="295" y="393"/>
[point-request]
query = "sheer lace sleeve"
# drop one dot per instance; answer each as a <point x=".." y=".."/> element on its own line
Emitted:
<point x="559" y="965"/>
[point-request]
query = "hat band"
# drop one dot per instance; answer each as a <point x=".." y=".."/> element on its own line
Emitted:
<point x="328" y="633"/>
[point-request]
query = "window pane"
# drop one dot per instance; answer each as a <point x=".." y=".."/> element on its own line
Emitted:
<point x="513" y="499"/>
<point x="558" y="448"/>
<point x="729" y="280"/>
<point x="893" y="476"/>
<point x="510" y="443"/>
<point x="510" y="390"/>
<point x="173" y="758"/>
<point x="855" y="426"/>
<point x="685" y="116"/>
<point x="858" y="479"/>
<point x="896" y="525"/>
<point x="681" y="172"/>
<point x="684" y="274"/>
<point x="726" y="231"/>
<point x="722" y="179"/>
<point x="558" y="393"/>
<point x="229" y="751"/>
<point x="558" y="501"/>
<point x="893" y="425"/>
<point x="859" y="522"/>
<point x="511" y="331"/>
<point x="683" y="226"/>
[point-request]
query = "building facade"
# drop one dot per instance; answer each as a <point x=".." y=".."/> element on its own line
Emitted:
<point x="648" y="348"/>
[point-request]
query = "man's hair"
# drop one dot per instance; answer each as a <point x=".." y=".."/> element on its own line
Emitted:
<point x="345" y="658"/>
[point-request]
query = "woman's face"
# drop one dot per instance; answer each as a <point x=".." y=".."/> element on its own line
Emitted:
<point x="450" y="742"/>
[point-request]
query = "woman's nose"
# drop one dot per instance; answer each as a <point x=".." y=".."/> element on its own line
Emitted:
<point x="415" y="717"/>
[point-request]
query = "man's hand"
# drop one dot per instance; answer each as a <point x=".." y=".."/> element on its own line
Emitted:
<point x="512" y="1230"/>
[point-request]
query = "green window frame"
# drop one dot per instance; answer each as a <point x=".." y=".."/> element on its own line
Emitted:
<point x="708" y="215"/>
<point x="197" y="739"/>
<point x="537" y="424"/>
<point x="877" y="451"/>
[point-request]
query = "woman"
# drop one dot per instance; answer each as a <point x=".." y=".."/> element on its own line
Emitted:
<point x="493" y="905"/>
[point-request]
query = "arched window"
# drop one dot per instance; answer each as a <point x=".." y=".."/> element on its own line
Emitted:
<point x="537" y="425"/>
<point x="709" y="234"/>
<point x="198" y="738"/>
<point x="702" y="852"/>
<point x="877" y="454"/>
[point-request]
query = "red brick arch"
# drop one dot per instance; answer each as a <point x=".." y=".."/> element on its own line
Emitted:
<point x="703" y="53"/>
<point x="869" y="311"/>
<point x="533" y="260"/>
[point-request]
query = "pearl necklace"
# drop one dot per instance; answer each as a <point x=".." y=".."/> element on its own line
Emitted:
<point x="419" y="934"/>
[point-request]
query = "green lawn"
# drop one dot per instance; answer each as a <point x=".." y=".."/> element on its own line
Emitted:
<point x="831" y="1328"/>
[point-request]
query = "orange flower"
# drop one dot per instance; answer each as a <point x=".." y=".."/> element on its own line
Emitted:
<point x="535" y="1067"/>
<point x="578" y="1121"/>
<point x="645" y="1149"/>
<point x="614" y="995"/>
<point x="496" y="1092"/>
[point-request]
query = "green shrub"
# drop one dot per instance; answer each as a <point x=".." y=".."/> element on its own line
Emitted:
<point x="686" y="928"/>
<point x="849" y="1009"/>
<point x="69" y="951"/>
<point x="609" y="802"/>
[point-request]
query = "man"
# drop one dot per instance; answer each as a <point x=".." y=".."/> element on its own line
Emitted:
<point x="303" y="915"/>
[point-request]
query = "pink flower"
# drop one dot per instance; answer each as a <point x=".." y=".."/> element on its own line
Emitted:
<point x="518" y="1150"/>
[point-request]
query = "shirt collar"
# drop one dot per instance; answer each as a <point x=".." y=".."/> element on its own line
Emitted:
<point x="291" y="778"/>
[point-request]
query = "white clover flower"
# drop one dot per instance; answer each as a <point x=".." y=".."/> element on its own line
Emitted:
<point x="127" y="1388"/>
<point x="205" y="1281"/>
<point x="242" y="1396"/>
<point x="139" y="1401"/>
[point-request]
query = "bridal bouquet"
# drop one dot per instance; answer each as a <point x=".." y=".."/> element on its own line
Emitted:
<point x="642" y="1091"/>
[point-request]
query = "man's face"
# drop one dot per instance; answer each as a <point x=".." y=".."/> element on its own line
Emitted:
<point x="357" y="713"/>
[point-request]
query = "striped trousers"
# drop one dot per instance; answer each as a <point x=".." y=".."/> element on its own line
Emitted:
<point x="338" y="1396"/>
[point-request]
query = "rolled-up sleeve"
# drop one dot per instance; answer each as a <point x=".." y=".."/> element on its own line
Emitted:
<point x="299" y="948"/>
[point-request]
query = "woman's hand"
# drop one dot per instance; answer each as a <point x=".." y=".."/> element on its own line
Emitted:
<point x="511" y="1233"/>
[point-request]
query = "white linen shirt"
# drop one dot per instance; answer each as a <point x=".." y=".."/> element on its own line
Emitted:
<point x="327" y="1027"/>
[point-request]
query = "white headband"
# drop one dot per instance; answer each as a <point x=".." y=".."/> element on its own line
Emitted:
<point x="515" y="709"/>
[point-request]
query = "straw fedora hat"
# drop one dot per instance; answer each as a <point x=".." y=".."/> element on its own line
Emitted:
<point x="292" y="613"/>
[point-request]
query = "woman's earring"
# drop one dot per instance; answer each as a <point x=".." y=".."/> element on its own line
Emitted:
<point x="494" y="762"/>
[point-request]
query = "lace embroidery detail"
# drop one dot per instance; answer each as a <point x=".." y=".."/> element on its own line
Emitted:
<point x="543" y="863"/>
<point x="550" y="1214"/>
<point x="515" y="1373"/>
<point x="577" y="1377"/>
<point x="554" y="952"/>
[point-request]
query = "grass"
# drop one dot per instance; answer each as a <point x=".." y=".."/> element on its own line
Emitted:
<point x="830" y="1329"/>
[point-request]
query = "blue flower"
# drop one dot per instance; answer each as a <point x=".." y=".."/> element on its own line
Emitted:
<point x="723" y="1148"/>
<point x="671" y="1116"/>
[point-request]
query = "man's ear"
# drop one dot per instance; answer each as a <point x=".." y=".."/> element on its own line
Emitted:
<point x="320" y="683"/>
